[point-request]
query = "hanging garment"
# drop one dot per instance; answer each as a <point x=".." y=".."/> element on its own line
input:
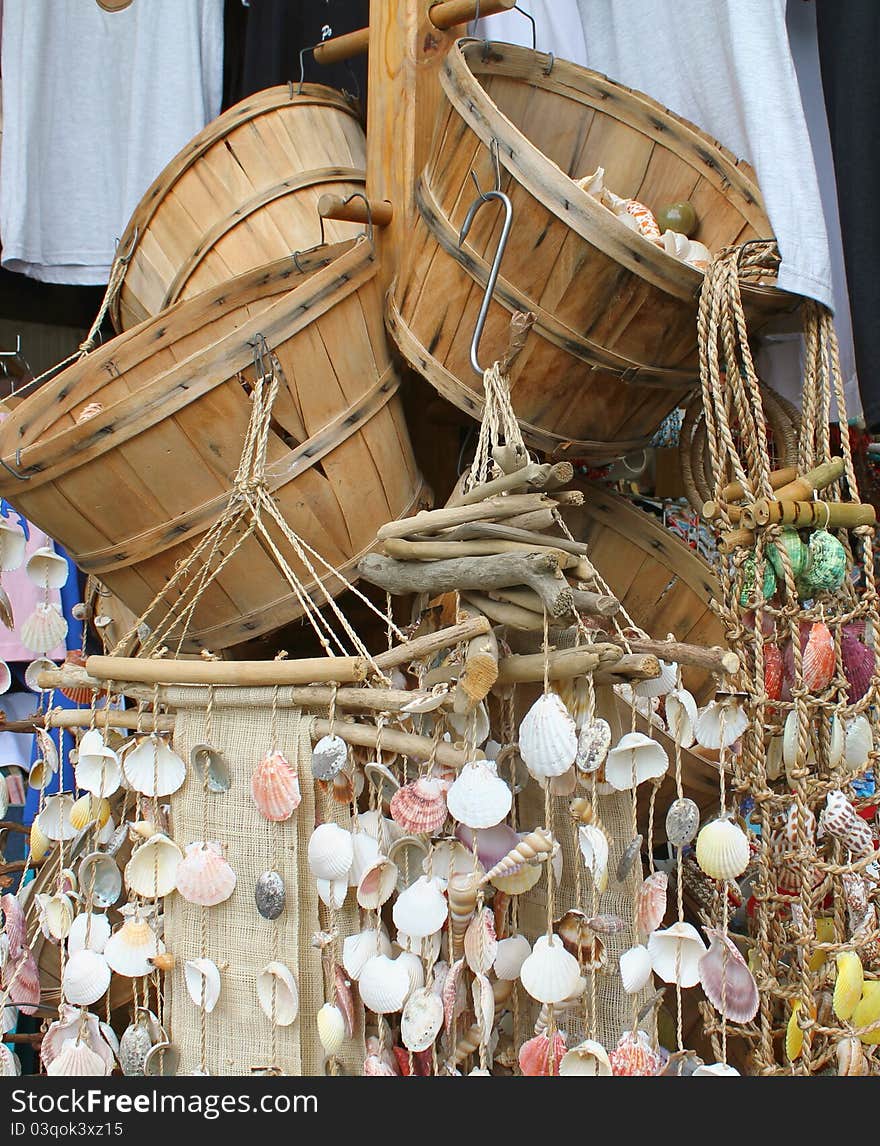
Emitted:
<point x="95" y="105"/>
<point x="557" y="28"/>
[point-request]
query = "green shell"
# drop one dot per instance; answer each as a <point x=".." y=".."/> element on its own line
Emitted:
<point x="749" y="580"/>
<point x="827" y="562"/>
<point x="798" y="553"/>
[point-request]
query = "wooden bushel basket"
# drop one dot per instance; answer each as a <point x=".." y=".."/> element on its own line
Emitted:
<point x="614" y="347"/>
<point x="128" y="455"/>
<point x="243" y="192"/>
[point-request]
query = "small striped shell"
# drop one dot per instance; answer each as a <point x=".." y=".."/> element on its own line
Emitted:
<point x="819" y="658"/>
<point x="651" y="902"/>
<point x="275" y="788"/>
<point x="420" y="806"/>
<point x="773" y="671"/>
<point x="634" y="1055"/>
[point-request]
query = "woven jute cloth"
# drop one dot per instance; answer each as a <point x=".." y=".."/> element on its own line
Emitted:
<point x="238" y="1036"/>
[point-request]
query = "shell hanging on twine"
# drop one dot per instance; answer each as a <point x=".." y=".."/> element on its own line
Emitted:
<point x="210" y="765"/>
<point x="480" y="943"/>
<point x="24" y="975"/>
<point x="773" y="671"/>
<point x="13" y="545"/>
<point x="88" y="810"/>
<point x="658" y="685"/>
<point x="275" y="788"/>
<point x="750" y="582"/>
<point x="635" y="759"/>
<point x="720" y="724"/>
<point x="548" y="741"/>
<point x="152" y="767"/>
<point x="421" y="806"/>
<point x="676" y="954"/>
<point x="100" y="878"/>
<point x="278" y="993"/>
<point x="840" y="819"/>
<point x="330" y="852"/>
<point x="681" y="716"/>
<point x="849" y="984"/>
<point x="422" y="1020"/>
<point x="94" y="926"/>
<point x="594" y="847"/>
<point x="152" y="869"/>
<point x="330" y="1023"/>
<point x="86" y="977"/>
<point x="635" y="969"/>
<point x="202" y="980"/>
<point x="858" y="664"/>
<point x="819" y="658"/>
<point x="359" y="948"/>
<point x="54" y="819"/>
<point x="77" y="1059"/>
<point x="510" y="956"/>
<point x="533" y="848"/>
<point x="682" y="821"/>
<point x="329" y="757"/>
<point x="578" y="935"/>
<point x="858" y="744"/>
<point x="588" y="1058"/>
<point x="722" y="849"/>
<point x="728" y="983"/>
<point x="270" y="895"/>
<point x="827" y="568"/>
<point x="550" y="974"/>
<point x="384" y="985"/>
<point x="790" y="543"/>
<point x="479" y="798"/>
<point x="44" y="629"/>
<point x="67" y="1026"/>
<point x="539" y="1057"/>
<point x="634" y="1056"/>
<point x="377" y="884"/>
<point x="421" y="909"/>
<point x="594" y="741"/>
<point x="651" y="902"/>
<point x="129" y="950"/>
<point x="203" y="876"/>
<point x="47" y="569"/>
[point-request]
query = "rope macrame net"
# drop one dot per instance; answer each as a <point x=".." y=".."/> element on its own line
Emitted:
<point x="498" y="427"/>
<point x="814" y="890"/>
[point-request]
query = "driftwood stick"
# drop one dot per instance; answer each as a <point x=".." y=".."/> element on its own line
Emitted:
<point x="632" y="666"/>
<point x="404" y="550"/>
<point x="433" y="520"/>
<point x="470" y="531"/>
<point x="583" y="600"/>
<point x="343" y="670"/>
<point x="480" y="670"/>
<point x="405" y="743"/>
<point x="569" y="497"/>
<point x="509" y="459"/>
<point x="564" y="664"/>
<point x="537" y="570"/>
<point x="533" y="475"/>
<point x="584" y="570"/>
<point x="502" y="613"/>
<point x="521" y="322"/>
<point x="423" y="647"/>
<point x="538" y="520"/>
<point x="561" y="474"/>
<point x="713" y="659"/>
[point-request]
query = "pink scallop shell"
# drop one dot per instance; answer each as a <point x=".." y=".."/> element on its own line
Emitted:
<point x="203" y="875"/>
<point x="420" y="807"/>
<point x="21" y="979"/>
<point x="15" y="924"/>
<point x="819" y="658"/>
<point x="858" y="664"/>
<point x="634" y="1055"/>
<point x="275" y="788"/>
<point x="534" y="1056"/>
<point x="725" y="977"/>
<point x="651" y="902"/>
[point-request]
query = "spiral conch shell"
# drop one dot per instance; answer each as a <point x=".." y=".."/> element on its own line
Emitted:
<point x="462" y="895"/>
<point x="548" y="741"/>
<point x="532" y="848"/>
<point x="275" y="788"/>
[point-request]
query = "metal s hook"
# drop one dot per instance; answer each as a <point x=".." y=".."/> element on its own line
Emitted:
<point x="531" y="20"/>
<point x="484" y="197"/>
<point x="15" y="473"/>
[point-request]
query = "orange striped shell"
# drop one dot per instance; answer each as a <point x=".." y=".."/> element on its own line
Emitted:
<point x="773" y="671"/>
<point x="819" y="658"/>
<point x="275" y="787"/>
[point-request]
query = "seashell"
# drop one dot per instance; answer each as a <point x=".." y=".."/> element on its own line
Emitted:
<point x="792" y="825"/>
<point x="726" y="979"/>
<point x="480" y="944"/>
<point x="720" y="724"/>
<point x="44" y="629"/>
<point x="510" y="955"/>
<point x="136" y="1042"/>
<point x="858" y="664"/>
<point x="722" y="849"/>
<point x="275" y="788"/>
<point x="682" y="822"/>
<point x="377" y="884"/>
<point x="422" y="1020"/>
<point x="634" y="1056"/>
<point x="162" y="1060"/>
<point x="345" y="787"/>
<point x="278" y="994"/>
<point x="359" y="948"/>
<point x="593" y="184"/>
<point x="548" y="742"/>
<point x="409" y="853"/>
<point x="33" y="670"/>
<point x="86" y="978"/>
<point x="788" y="544"/>
<point x="152" y="870"/>
<point x="676" y="954"/>
<point x="716" y="1070"/>
<point x="382" y="779"/>
<point x="77" y="1059"/>
<point x="635" y="759"/>
<point x="593" y="743"/>
<point x="88" y="931"/>
<point x="534" y="847"/>
<point x="329" y="757"/>
<point x="587" y="1058"/>
<point x="100" y="879"/>
<point x="840" y="819"/>
<point x="270" y="895"/>
<point x="452" y="993"/>
<point x="580" y="939"/>
<point x="827" y="566"/>
<point x="427" y="701"/>
<point x="365" y="852"/>
<point x="462" y="893"/>
<point x="330" y="852"/>
<point x="859" y="743"/>
<point x="54" y="819"/>
<point x="13" y="544"/>
<point x="582" y="811"/>
<point x="99" y="773"/>
<point x="330" y="1022"/>
<point x="152" y="767"/>
<point x="681" y="716"/>
<point x="202" y="980"/>
<point x="848" y="985"/>
<point x="749" y="575"/>
<point x="56" y="915"/>
<point x="21" y="979"/>
<point x="479" y="798"/>
<point x="414" y="969"/>
<point x="550" y="974"/>
<point x="593" y="844"/>
<point x="421" y="909"/>
<point x="627" y="859"/>
<point x="420" y="806"/>
<point x="68" y="1026"/>
<point x="47" y="569"/>
<point x="773" y="671"/>
<point x="88" y="810"/>
<point x="492" y="844"/>
<point x="14" y="924"/>
<point x="563" y="785"/>
<point x="203" y="875"/>
<point x="473" y="727"/>
<point x="658" y="685"/>
<point x="384" y="984"/>
<point x="651" y="902"/>
<point x="836" y="742"/>
<point x="819" y="658"/>
<point x="332" y="892"/>
<point x="128" y="952"/>
<point x="38" y="843"/>
<point x="211" y="766"/>
<point x="635" y="969"/>
<point x="5" y="671"/>
<point x="538" y="1057"/>
<point x="484" y="1007"/>
<point x="867" y="1013"/>
<point x="851" y="1058"/>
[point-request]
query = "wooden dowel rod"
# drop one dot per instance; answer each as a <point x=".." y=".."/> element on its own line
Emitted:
<point x="473" y="530"/>
<point x="116" y="718"/>
<point x="564" y="664"/>
<point x="713" y="659"/>
<point x="343" y="47"/>
<point x="423" y="647"/>
<point x="803" y="488"/>
<point x="310" y="670"/>
<point x="433" y="520"/>
<point x="713" y="509"/>
<point x="534" y="475"/>
<point x="449" y="13"/>
<point x="833" y="514"/>
<point x="405" y="743"/>
<point x="778" y="478"/>
<point x="736" y="539"/>
<point x="404" y="550"/>
<point x="379" y="212"/>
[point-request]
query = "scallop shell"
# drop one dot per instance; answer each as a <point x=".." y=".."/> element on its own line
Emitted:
<point x="682" y="822"/>
<point x="203" y="875"/>
<point x="153" y="768"/>
<point x="421" y="909"/>
<point x="44" y="629"/>
<point x="98" y="773"/>
<point x="510" y="955"/>
<point x="422" y="1020"/>
<point x="331" y="1028"/>
<point x="331" y="852"/>
<point x="858" y="744"/>
<point x="88" y="810"/>
<point x="365" y="852"/>
<point x="593" y="743"/>
<point x="13" y="545"/>
<point x="275" y="788"/>
<point x="332" y="892"/>
<point x="635" y="759"/>
<point x="858" y="664"/>
<point x="726" y="979"/>
<point x="86" y="978"/>
<point x="68" y="1026"/>
<point x="634" y="1056"/>
<point x="480" y="943"/>
<point x="202" y="980"/>
<point x="819" y="658"/>
<point x="550" y="974"/>
<point x="635" y="969"/>
<point x="658" y="685"/>
<point x="420" y="806"/>
<point x="587" y="1058"/>
<point x="676" y="954"/>
<point x="414" y="969"/>
<point x="359" y="948"/>
<point x="478" y="798"/>
<point x="384" y="984"/>
<point x="278" y="994"/>
<point x="54" y="819"/>
<point x="538" y="1057"/>
<point x="681" y="716"/>
<point x="14" y="924"/>
<point x="129" y="950"/>
<point x="827" y="569"/>
<point x="840" y="819"/>
<point x="270" y="895"/>
<point x="773" y="671"/>
<point x="377" y="884"/>
<point x="594" y="848"/>
<point x="47" y="569"/>
<point x="21" y="979"/>
<point x="329" y="757"/>
<point x="77" y="1059"/>
<point x="720" y="720"/>
<point x="722" y="849"/>
<point x="651" y="902"/>
<point x="55" y="914"/>
<point x="849" y="984"/>
<point x="95" y="926"/>
<point x="548" y="740"/>
<point x="152" y="870"/>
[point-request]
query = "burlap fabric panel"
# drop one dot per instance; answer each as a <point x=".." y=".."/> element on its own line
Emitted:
<point x="238" y="1035"/>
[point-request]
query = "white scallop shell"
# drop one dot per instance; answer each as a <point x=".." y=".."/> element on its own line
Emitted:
<point x="13" y="545"/>
<point x="635" y="969"/>
<point x="54" y="819"/>
<point x="658" y="685"/>
<point x="479" y="798"/>
<point x="153" y="768"/>
<point x="98" y="928"/>
<point x="55" y="914"/>
<point x="547" y="737"/>
<point x="129" y="950"/>
<point x="98" y="773"/>
<point x="47" y="569"/>
<point x="427" y="948"/>
<point x="365" y="851"/>
<point x="511" y="954"/>
<point x="708" y="730"/>
<point x="44" y="629"/>
<point x="202" y="979"/>
<point x="331" y="852"/>
<point x="681" y="716"/>
<point x="472" y="727"/>
<point x="10" y="1065"/>
<point x="77" y="1059"/>
<point x="716" y="1070"/>
<point x="421" y="1020"/>
<point x="359" y="948"/>
<point x="384" y="984"/>
<point x="859" y="742"/>
<point x="330" y="1022"/>
<point x="550" y="974"/>
<point x="377" y="884"/>
<point x="152" y="869"/>
<point x="722" y="849"/>
<point x="676" y="954"/>
<point x="86" y="978"/>
<point x="421" y="909"/>
<point x="594" y="848"/>
<point x="332" y="892"/>
<point x="414" y="969"/>
<point x="278" y="994"/>
<point x="587" y="1058"/>
<point x="635" y="759"/>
